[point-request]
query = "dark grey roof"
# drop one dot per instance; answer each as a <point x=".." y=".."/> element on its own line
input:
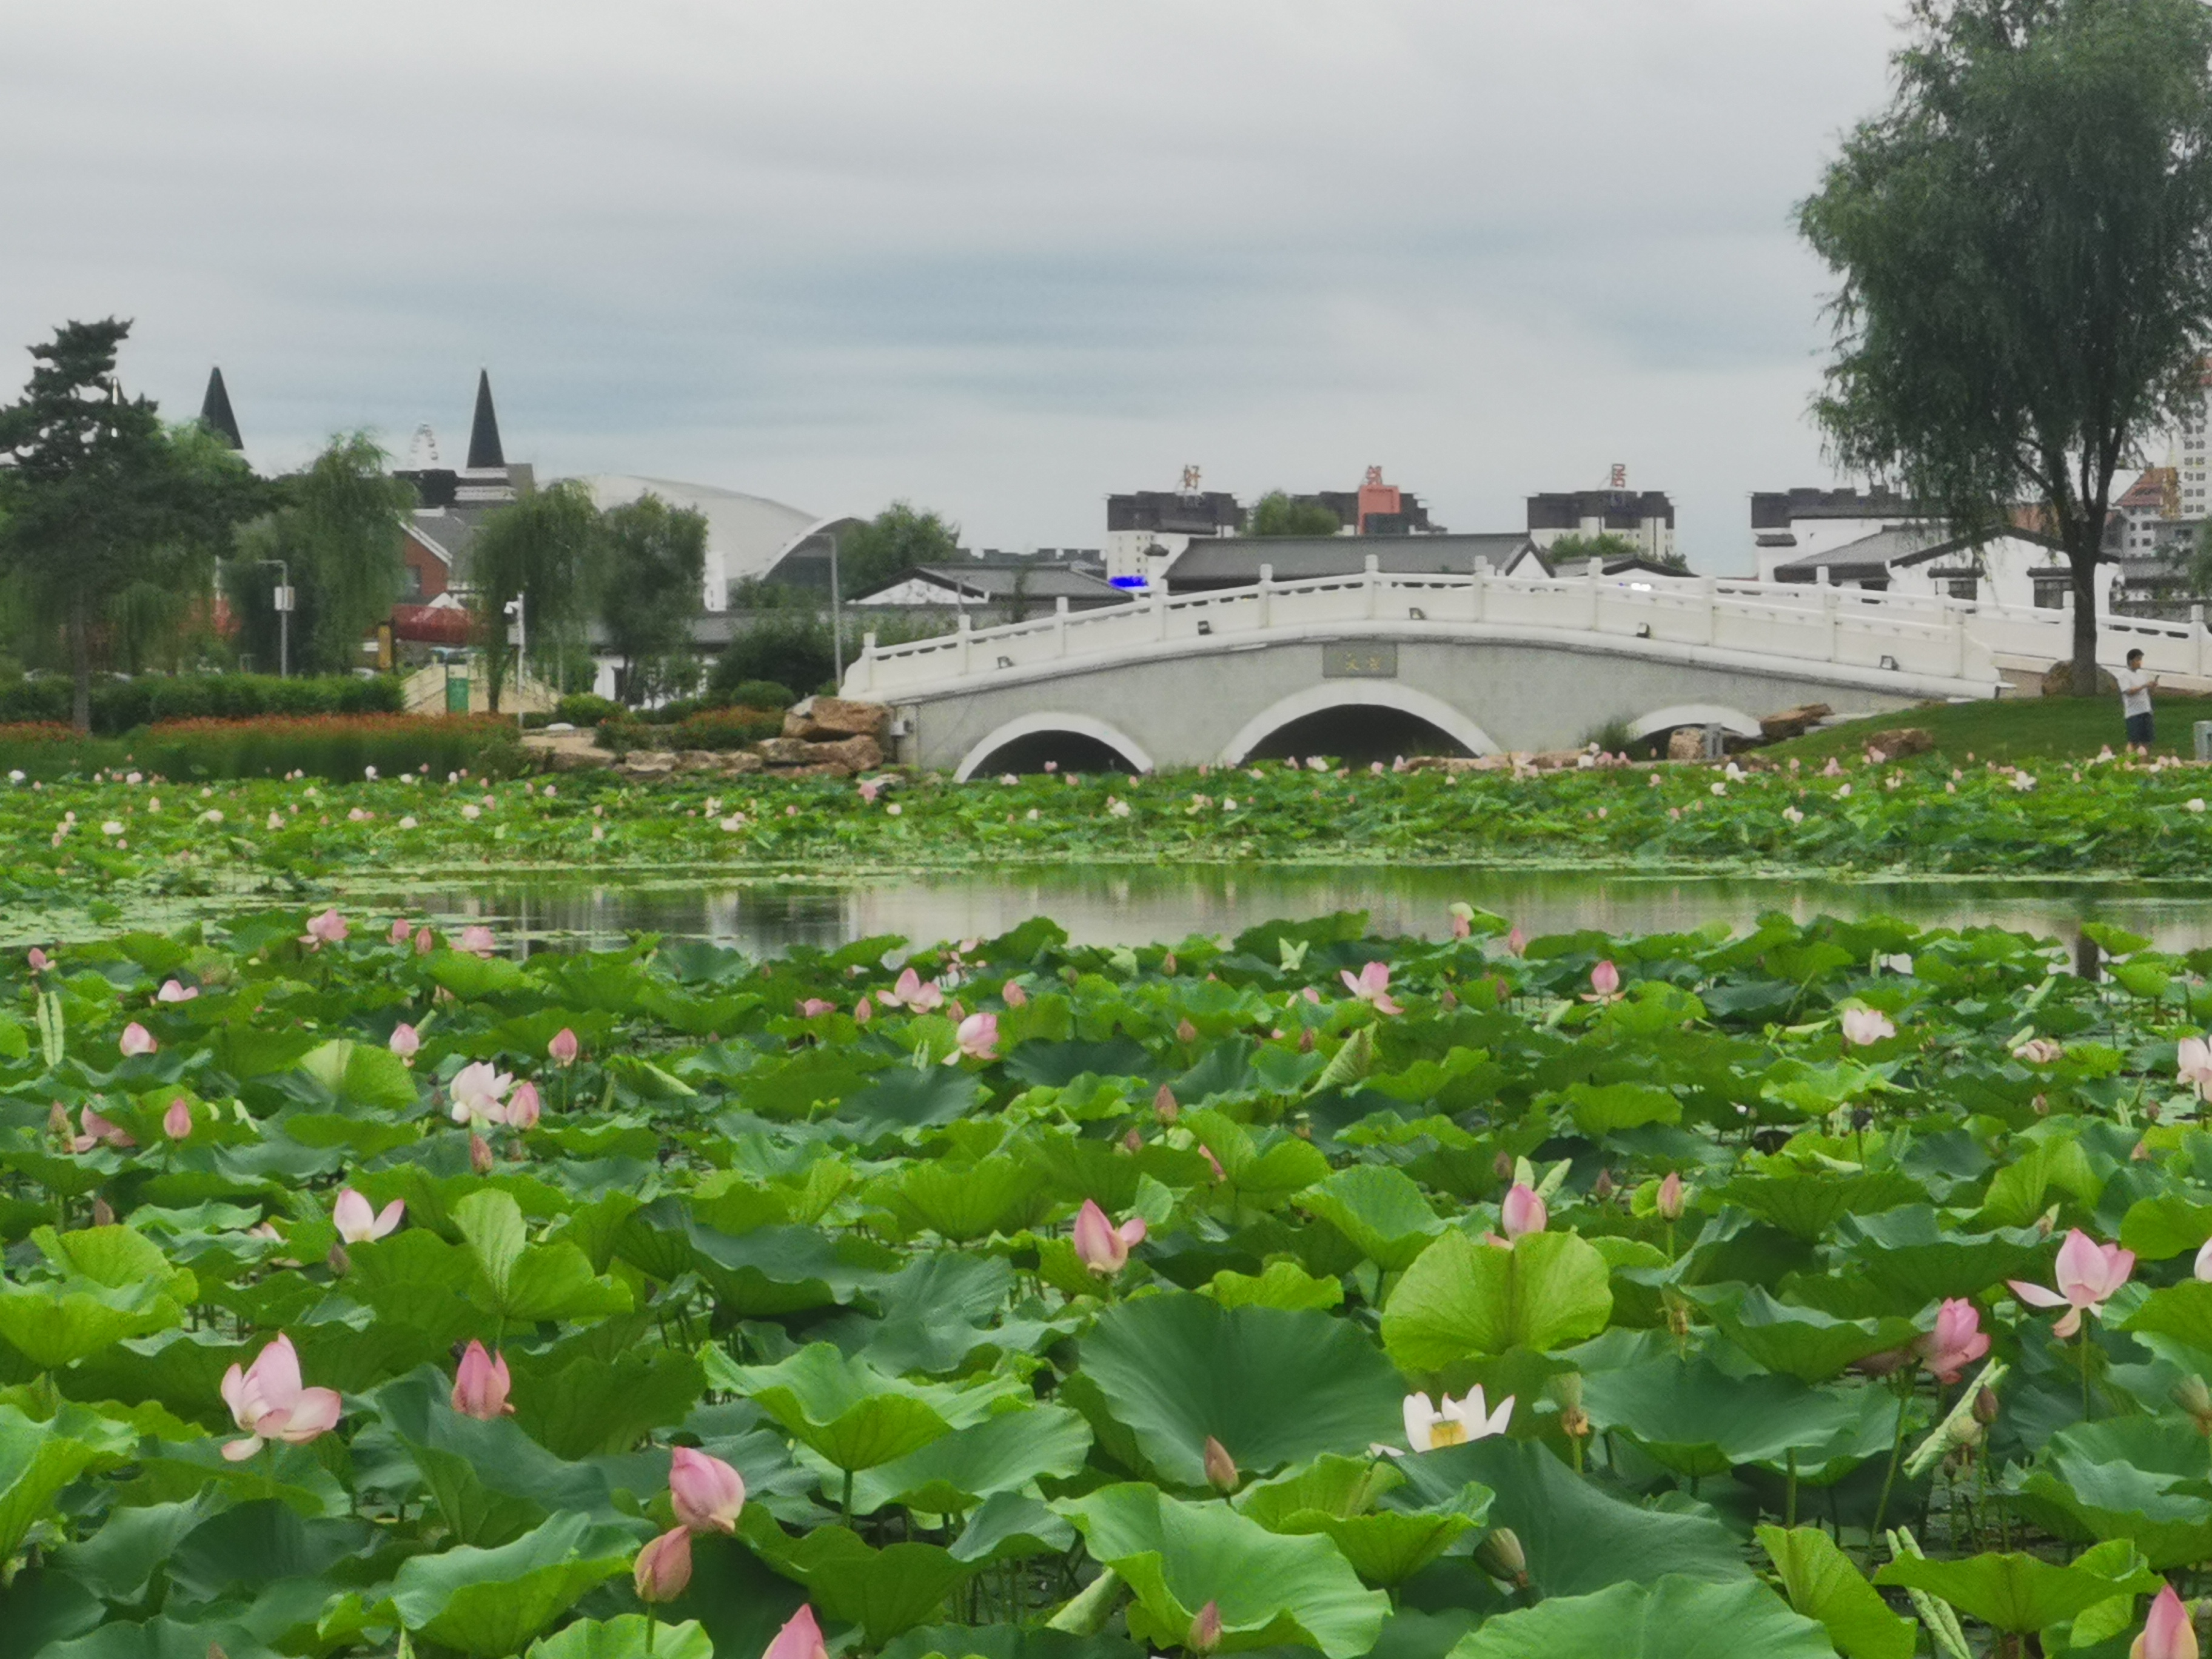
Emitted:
<point x="1615" y="509"/>
<point x="992" y="584"/>
<point x="484" y="453"/>
<point x="1894" y="547"/>
<point x="1229" y="560"/>
<point x="215" y="411"/>
<point x="451" y="531"/>
<point x="1777" y="509"/>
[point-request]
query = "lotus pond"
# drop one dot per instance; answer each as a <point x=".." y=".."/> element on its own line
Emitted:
<point x="1831" y="1288"/>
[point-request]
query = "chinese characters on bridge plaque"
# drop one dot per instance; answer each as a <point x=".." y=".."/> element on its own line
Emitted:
<point x="1359" y="662"/>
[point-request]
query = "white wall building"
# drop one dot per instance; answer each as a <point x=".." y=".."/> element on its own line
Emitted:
<point x="2018" y="569"/>
<point x="745" y="534"/>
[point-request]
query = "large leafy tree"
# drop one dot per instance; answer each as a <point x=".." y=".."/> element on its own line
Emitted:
<point x="2024" y="237"/>
<point x="1278" y="514"/>
<point x="896" y="539"/>
<point x="103" y="511"/>
<point x="656" y="560"/>
<point x="549" y="547"/>
<point x="337" y="528"/>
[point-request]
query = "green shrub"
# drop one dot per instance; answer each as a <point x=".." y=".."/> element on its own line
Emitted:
<point x="761" y="694"/>
<point x="724" y="728"/>
<point x="584" y="708"/>
<point x="120" y="705"/>
<point x="336" y="747"/>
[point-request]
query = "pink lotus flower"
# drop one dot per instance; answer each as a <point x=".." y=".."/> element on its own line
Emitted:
<point x="1013" y="995"/>
<point x="479" y="1094"/>
<point x="1670" y="1197"/>
<point x="523" y="1107"/>
<point x="1212" y="1163"/>
<point x="481" y="1384"/>
<point x="401" y="928"/>
<point x="424" y="944"/>
<point x="137" y="1040"/>
<point x="1372" y="986"/>
<point x="1516" y="942"/>
<point x="1605" y="984"/>
<point x="2193" y="1066"/>
<point x="1523" y="1212"/>
<point x="98" y="1131"/>
<point x="176" y="991"/>
<point x="2088" y="1275"/>
<point x="268" y="1402"/>
<point x="177" y="1121"/>
<point x="1862" y="1026"/>
<point x="1454" y="1422"/>
<point x="328" y="928"/>
<point x="1957" y="1341"/>
<point x="564" y="1048"/>
<point x="1463" y="921"/>
<point x="1100" y="1245"/>
<point x="405" y="1040"/>
<point x="357" y="1223"/>
<point x="913" y="991"/>
<point x="477" y="938"/>
<point x="870" y="788"/>
<point x="664" y="1567"/>
<point x="705" y="1493"/>
<point x="38" y="960"/>
<point x="977" y="1037"/>
<point x="2167" y="1633"/>
<point x="799" y="1638"/>
<point x="815" y="1007"/>
<point x="863" y="1011"/>
<point x="2039" y="1051"/>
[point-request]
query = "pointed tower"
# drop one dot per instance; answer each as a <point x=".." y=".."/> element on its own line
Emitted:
<point x="216" y="416"/>
<point x="484" y="453"/>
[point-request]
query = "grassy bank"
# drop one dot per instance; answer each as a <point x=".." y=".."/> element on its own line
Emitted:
<point x="2009" y="730"/>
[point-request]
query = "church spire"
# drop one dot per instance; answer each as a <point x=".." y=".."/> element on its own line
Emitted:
<point x="484" y="453"/>
<point x="216" y="416"/>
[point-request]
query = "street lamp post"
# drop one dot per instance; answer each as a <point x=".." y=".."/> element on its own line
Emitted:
<point x="514" y="608"/>
<point x="283" y="604"/>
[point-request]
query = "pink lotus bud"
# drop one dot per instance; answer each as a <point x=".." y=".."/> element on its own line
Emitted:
<point x="523" y="1107"/>
<point x="2166" y="1634"/>
<point x="401" y="928"/>
<point x="137" y="1040"/>
<point x="1213" y="1163"/>
<point x="479" y="1153"/>
<point x="1206" y="1629"/>
<point x="1523" y="1212"/>
<point x="1099" y="1245"/>
<point x="664" y="1567"/>
<point x="476" y="939"/>
<point x="564" y="1048"/>
<point x="1164" y="1107"/>
<point x="174" y="990"/>
<point x="481" y="1384"/>
<point x="1013" y="995"/>
<point x="103" y="1213"/>
<point x="423" y="942"/>
<point x="177" y="1121"/>
<point x="405" y="1040"/>
<point x="1168" y="965"/>
<point x="1220" y="1468"/>
<point x="1185" y="1031"/>
<point x="1670" y="1197"/>
<point x="863" y="1011"/>
<point x="1605" y="980"/>
<point x="38" y="960"/>
<point x="705" y="1493"/>
<point x="1517" y="941"/>
<point x="1134" y="1141"/>
<point x="799" y="1638"/>
<point x="57" y="1123"/>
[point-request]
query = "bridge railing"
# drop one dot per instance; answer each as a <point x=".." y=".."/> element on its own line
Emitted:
<point x="1908" y="634"/>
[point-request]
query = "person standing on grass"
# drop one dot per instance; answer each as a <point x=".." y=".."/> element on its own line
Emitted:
<point x="2135" y="688"/>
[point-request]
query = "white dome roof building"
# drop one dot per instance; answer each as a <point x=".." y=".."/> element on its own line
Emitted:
<point x="746" y="535"/>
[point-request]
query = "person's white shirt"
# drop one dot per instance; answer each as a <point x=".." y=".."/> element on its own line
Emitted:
<point x="2135" y="690"/>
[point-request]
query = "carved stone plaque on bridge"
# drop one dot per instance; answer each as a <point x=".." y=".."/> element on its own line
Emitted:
<point x="1359" y="662"/>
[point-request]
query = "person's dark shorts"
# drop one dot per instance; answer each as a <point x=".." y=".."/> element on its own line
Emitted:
<point x="2139" y="729"/>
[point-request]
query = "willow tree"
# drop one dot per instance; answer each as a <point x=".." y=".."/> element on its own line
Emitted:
<point x="2024" y="237"/>
<point x="548" y="547"/>
<point x="101" y="504"/>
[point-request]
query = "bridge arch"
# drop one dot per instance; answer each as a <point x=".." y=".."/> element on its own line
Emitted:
<point x="1734" y="721"/>
<point x="1330" y="696"/>
<point x="1087" y="728"/>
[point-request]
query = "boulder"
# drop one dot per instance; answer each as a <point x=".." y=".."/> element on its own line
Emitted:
<point x="856" y="754"/>
<point x="1793" y="722"/>
<point x="1896" y="745"/>
<point x="1686" y="743"/>
<point x="647" y="763"/>
<point x="826" y="719"/>
<point x="785" y="751"/>
<point x="2058" y="681"/>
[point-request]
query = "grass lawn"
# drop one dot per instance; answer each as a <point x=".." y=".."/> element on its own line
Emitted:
<point x="2038" y="728"/>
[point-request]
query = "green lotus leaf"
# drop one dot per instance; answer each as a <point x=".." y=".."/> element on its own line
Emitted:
<point x="884" y="1591"/>
<point x="2182" y="1311"/>
<point x="1698" y="1421"/>
<point x="1805" y="1206"/>
<point x="38" y="1459"/>
<point x="1002" y="1454"/>
<point x="489" y="1602"/>
<point x="847" y="1410"/>
<point x="1912" y="1254"/>
<point x="2165" y="1225"/>
<point x="1805" y="1343"/>
<point x="259" y="1542"/>
<point x="1671" y="1618"/>
<point x="362" y="1074"/>
<point x="1282" y="1285"/>
<point x="1336" y="1497"/>
<point x="1380" y="1210"/>
<point x="1602" y="1109"/>
<point x="1822" y="1583"/>
<point x="2020" y="1594"/>
<point x="625" y="1637"/>
<point x="1269" y="1588"/>
<point x="1274" y="1387"/>
<point x="2140" y="1478"/>
<point x="1010" y="1527"/>
<point x="1461" y="1299"/>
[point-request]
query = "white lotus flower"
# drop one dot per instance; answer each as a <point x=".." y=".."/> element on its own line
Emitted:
<point x="1454" y="1422"/>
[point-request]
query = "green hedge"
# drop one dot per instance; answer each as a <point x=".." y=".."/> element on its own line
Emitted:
<point x="335" y="747"/>
<point x="120" y="705"/>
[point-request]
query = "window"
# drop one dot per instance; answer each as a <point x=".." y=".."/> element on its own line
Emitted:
<point x="1961" y="587"/>
<point x="2051" y="593"/>
<point x="413" y="592"/>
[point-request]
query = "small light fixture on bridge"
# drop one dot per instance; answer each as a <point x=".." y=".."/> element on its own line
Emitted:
<point x="1414" y="613"/>
<point x="1005" y="662"/>
<point x="1643" y="630"/>
<point x="1890" y="663"/>
<point x="1204" y="626"/>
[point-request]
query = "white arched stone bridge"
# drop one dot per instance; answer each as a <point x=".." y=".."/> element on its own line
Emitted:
<point x="1479" y="662"/>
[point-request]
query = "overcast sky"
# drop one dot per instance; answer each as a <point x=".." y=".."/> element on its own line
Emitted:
<point x="1000" y="259"/>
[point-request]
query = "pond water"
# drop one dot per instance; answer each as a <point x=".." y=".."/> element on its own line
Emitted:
<point x="1132" y="905"/>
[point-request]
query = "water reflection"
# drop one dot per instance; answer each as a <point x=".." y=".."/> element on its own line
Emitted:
<point x="1128" y="906"/>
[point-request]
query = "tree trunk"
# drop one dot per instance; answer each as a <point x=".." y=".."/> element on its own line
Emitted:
<point x="2084" y="678"/>
<point x="81" y="666"/>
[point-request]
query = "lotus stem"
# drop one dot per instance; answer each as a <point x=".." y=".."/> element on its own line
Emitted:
<point x="1945" y="1435"/>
